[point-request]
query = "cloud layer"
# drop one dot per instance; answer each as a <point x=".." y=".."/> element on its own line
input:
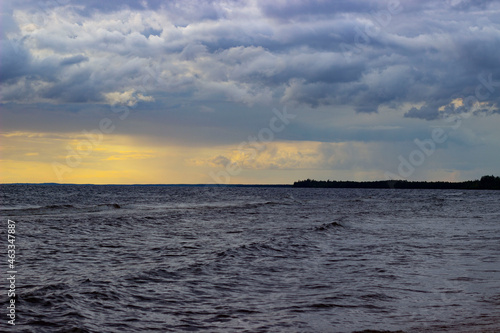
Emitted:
<point x="363" y="54"/>
<point x="201" y="72"/>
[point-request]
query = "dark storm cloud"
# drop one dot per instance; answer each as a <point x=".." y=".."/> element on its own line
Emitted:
<point x="470" y="4"/>
<point x="182" y="12"/>
<point x="288" y="10"/>
<point x="74" y="60"/>
<point x="88" y="6"/>
<point x="14" y="61"/>
<point x="425" y="112"/>
<point x="358" y="54"/>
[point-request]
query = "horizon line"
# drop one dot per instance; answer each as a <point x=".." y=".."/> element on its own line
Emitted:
<point x="194" y="185"/>
<point x="241" y="185"/>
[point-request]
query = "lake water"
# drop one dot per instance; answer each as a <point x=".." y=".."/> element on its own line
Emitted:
<point x="215" y="259"/>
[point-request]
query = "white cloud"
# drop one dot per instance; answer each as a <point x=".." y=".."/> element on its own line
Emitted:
<point x="129" y="98"/>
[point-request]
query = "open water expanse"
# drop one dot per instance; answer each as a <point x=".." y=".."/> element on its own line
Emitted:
<point x="213" y="259"/>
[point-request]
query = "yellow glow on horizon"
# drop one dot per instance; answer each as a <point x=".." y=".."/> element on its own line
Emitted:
<point x="73" y="158"/>
<point x="28" y="157"/>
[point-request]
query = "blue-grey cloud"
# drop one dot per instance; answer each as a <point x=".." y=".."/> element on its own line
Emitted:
<point x="425" y="112"/>
<point x="415" y="57"/>
<point x="73" y="60"/>
<point x="288" y="10"/>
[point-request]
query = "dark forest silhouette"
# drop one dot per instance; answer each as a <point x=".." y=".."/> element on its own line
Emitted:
<point x="485" y="183"/>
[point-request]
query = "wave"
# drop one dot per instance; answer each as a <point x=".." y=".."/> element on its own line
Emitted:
<point x="29" y="210"/>
<point x="206" y="205"/>
<point x="17" y="207"/>
<point x="340" y="223"/>
<point x="253" y="249"/>
<point x="329" y="226"/>
<point x="57" y="209"/>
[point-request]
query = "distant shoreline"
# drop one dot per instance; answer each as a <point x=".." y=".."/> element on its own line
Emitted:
<point x="166" y="185"/>
<point x="485" y="183"/>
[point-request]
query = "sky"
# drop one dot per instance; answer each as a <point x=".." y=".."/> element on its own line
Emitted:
<point x="248" y="92"/>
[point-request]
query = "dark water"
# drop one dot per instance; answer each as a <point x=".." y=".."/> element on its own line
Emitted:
<point x="179" y="259"/>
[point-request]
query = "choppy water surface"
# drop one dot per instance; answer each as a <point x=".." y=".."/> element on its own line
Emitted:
<point x="174" y="259"/>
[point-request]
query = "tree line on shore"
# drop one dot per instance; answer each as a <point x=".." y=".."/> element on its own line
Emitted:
<point x="485" y="183"/>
